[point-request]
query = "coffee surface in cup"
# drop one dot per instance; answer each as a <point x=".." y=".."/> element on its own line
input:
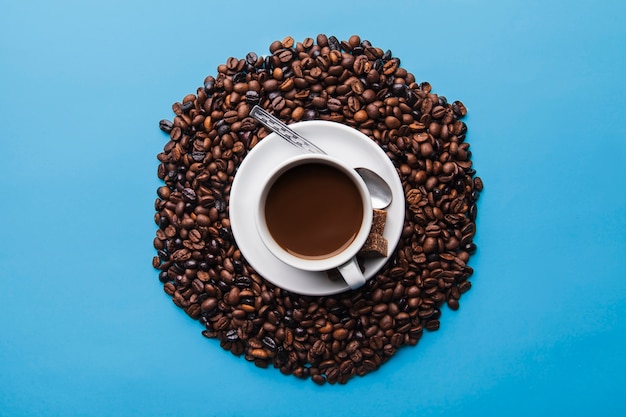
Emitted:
<point x="314" y="211"/>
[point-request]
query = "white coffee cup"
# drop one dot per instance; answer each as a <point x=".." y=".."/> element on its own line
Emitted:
<point x="344" y="258"/>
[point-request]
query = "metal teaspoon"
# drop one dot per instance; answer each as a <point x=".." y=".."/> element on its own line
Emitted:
<point x="379" y="190"/>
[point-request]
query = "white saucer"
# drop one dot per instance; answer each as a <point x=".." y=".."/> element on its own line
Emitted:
<point x="337" y="140"/>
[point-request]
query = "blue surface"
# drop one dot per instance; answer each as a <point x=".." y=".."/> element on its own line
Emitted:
<point x="86" y="329"/>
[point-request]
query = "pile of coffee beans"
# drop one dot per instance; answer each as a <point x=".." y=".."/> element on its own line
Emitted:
<point x="329" y="339"/>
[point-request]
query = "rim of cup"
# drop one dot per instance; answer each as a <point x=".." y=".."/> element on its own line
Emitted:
<point x="314" y="264"/>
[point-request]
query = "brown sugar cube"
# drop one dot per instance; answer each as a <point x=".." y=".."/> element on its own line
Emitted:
<point x="379" y="219"/>
<point x="375" y="246"/>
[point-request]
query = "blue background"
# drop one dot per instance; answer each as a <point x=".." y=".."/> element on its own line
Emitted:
<point x="85" y="328"/>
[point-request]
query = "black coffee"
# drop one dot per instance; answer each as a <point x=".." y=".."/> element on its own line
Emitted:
<point x="313" y="211"/>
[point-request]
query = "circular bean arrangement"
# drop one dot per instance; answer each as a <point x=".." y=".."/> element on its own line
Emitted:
<point x="332" y="338"/>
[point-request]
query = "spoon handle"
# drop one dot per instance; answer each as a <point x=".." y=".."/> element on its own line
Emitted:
<point x="283" y="130"/>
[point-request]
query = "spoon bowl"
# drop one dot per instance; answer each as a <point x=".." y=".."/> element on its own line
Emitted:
<point x="379" y="190"/>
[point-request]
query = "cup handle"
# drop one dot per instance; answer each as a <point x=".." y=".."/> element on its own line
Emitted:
<point x="351" y="273"/>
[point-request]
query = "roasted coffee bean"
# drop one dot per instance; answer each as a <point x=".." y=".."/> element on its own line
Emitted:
<point x="253" y="97"/>
<point x="166" y="126"/>
<point x="327" y="339"/>
<point x="453" y="303"/>
<point x="478" y="184"/>
<point x="189" y="195"/>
